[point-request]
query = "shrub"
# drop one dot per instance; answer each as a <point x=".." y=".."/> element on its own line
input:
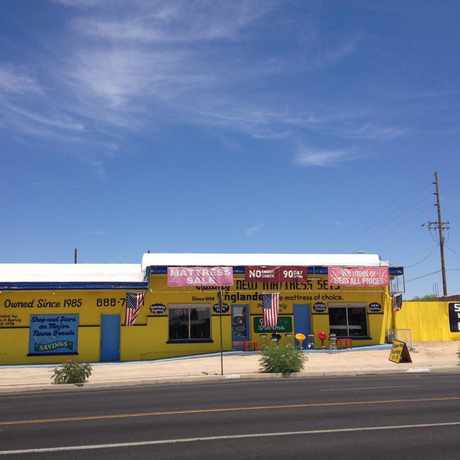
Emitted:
<point x="72" y="372"/>
<point x="281" y="358"/>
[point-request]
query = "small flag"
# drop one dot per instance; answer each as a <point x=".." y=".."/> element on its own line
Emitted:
<point x="270" y="306"/>
<point x="134" y="302"/>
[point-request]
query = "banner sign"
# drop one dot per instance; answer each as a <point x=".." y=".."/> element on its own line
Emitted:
<point x="200" y="276"/>
<point x="284" y="324"/>
<point x="358" y="276"/>
<point x="53" y="334"/>
<point x="454" y="317"/>
<point x="399" y="352"/>
<point x="275" y="274"/>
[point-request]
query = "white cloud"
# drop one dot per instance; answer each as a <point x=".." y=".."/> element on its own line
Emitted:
<point x="254" y="229"/>
<point x="181" y="20"/>
<point x="12" y="80"/>
<point x="320" y="158"/>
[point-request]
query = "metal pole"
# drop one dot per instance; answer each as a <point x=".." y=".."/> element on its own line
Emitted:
<point x="219" y="295"/>
<point x="441" y="235"/>
<point x="75" y="256"/>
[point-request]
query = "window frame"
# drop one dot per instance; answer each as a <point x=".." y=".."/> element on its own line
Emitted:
<point x="189" y="307"/>
<point x="348" y="306"/>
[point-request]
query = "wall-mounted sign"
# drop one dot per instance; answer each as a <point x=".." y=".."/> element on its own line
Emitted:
<point x="200" y="276"/>
<point x="225" y="308"/>
<point x="319" y="307"/>
<point x="275" y="274"/>
<point x="284" y="324"/>
<point x="358" y="276"/>
<point x="53" y="334"/>
<point x="375" y="307"/>
<point x="157" y="308"/>
<point x="454" y="317"/>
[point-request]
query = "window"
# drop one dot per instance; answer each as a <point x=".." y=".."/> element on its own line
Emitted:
<point x="348" y="321"/>
<point x="189" y="323"/>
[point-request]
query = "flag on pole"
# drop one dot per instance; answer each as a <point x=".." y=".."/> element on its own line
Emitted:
<point x="134" y="302"/>
<point x="270" y="306"/>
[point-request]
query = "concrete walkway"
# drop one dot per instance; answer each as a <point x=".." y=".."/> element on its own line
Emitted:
<point x="427" y="357"/>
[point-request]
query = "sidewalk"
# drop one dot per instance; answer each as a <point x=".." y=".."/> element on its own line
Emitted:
<point x="433" y="356"/>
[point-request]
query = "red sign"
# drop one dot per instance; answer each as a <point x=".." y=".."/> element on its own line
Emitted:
<point x="358" y="276"/>
<point x="200" y="276"/>
<point x="275" y="274"/>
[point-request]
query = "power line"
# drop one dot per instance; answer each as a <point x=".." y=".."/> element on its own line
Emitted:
<point x="423" y="276"/>
<point x="422" y="260"/>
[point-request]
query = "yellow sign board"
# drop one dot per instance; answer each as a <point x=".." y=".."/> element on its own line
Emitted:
<point x="399" y="352"/>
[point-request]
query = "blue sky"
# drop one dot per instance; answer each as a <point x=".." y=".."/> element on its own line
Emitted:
<point x="233" y="126"/>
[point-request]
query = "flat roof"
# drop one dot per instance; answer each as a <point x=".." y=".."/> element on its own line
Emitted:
<point x="62" y="273"/>
<point x="236" y="260"/>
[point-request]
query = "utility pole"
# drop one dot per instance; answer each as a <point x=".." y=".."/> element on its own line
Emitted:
<point x="440" y="226"/>
<point x="75" y="256"/>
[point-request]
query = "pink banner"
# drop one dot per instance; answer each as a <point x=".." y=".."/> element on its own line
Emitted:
<point x="200" y="276"/>
<point x="358" y="276"/>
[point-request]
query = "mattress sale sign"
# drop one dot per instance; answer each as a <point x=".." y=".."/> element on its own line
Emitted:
<point x="275" y="274"/>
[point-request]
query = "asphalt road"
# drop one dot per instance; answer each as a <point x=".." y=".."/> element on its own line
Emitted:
<point x="392" y="417"/>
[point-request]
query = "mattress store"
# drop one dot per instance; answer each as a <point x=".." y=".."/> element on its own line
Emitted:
<point x="183" y="304"/>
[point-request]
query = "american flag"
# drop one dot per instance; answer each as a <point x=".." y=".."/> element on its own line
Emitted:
<point x="134" y="302"/>
<point x="270" y="306"/>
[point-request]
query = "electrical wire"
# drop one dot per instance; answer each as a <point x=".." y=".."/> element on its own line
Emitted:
<point x="426" y="275"/>
<point x="422" y="260"/>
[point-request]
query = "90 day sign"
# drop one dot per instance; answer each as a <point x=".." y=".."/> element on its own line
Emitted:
<point x="53" y="334"/>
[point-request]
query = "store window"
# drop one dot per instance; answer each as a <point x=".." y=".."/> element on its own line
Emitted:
<point x="189" y="323"/>
<point x="348" y="320"/>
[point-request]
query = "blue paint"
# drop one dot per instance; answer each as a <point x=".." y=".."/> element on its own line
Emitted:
<point x="53" y="334"/>
<point x="110" y="338"/>
<point x="240" y="323"/>
<point x="302" y="322"/>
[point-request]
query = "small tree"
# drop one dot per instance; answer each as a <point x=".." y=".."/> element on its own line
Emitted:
<point x="72" y="372"/>
<point x="283" y="358"/>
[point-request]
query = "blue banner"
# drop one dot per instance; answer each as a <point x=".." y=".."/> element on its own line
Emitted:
<point x="53" y="334"/>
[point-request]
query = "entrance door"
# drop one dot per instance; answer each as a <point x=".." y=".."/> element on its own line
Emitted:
<point x="302" y="321"/>
<point x="240" y="325"/>
<point x="110" y="338"/>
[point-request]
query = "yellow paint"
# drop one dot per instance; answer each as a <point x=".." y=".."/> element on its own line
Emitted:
<point x="148" y="339"/>
<point x="427" y="320"/>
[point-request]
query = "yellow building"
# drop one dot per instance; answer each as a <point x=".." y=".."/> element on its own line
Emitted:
<point x="53" y="312"/>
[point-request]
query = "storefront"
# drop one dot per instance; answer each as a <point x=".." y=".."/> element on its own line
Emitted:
<point x="51" y="313"/>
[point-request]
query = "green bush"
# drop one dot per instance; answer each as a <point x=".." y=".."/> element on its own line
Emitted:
<point x="281" y="358"/>
<point x="72" y="372"/>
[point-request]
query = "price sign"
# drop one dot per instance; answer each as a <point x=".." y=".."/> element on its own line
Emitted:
<point x="275" y="274"/>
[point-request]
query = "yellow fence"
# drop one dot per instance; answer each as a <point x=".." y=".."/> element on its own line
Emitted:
<point x="427" y="320"/>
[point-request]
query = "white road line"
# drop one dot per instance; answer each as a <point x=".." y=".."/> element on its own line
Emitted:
<point x="224" y="437"/>
<point x="365" y="388"/>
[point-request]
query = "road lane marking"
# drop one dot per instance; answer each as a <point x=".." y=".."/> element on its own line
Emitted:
<point x="224" y="437"/>
<point x="89" y="418"/>
<point x="366" y="388"/>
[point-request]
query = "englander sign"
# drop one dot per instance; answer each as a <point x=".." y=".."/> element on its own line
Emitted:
<point x="358" y="276"/>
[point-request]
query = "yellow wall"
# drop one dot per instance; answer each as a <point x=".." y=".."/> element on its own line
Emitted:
<point x="427" y="320"/>
<point x="148" y="338"/>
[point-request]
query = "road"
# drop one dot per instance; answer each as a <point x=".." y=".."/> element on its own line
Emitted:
<point x="410" y="416"/>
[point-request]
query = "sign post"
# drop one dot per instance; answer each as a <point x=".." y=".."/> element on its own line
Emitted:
<point x="219" y="295"/>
